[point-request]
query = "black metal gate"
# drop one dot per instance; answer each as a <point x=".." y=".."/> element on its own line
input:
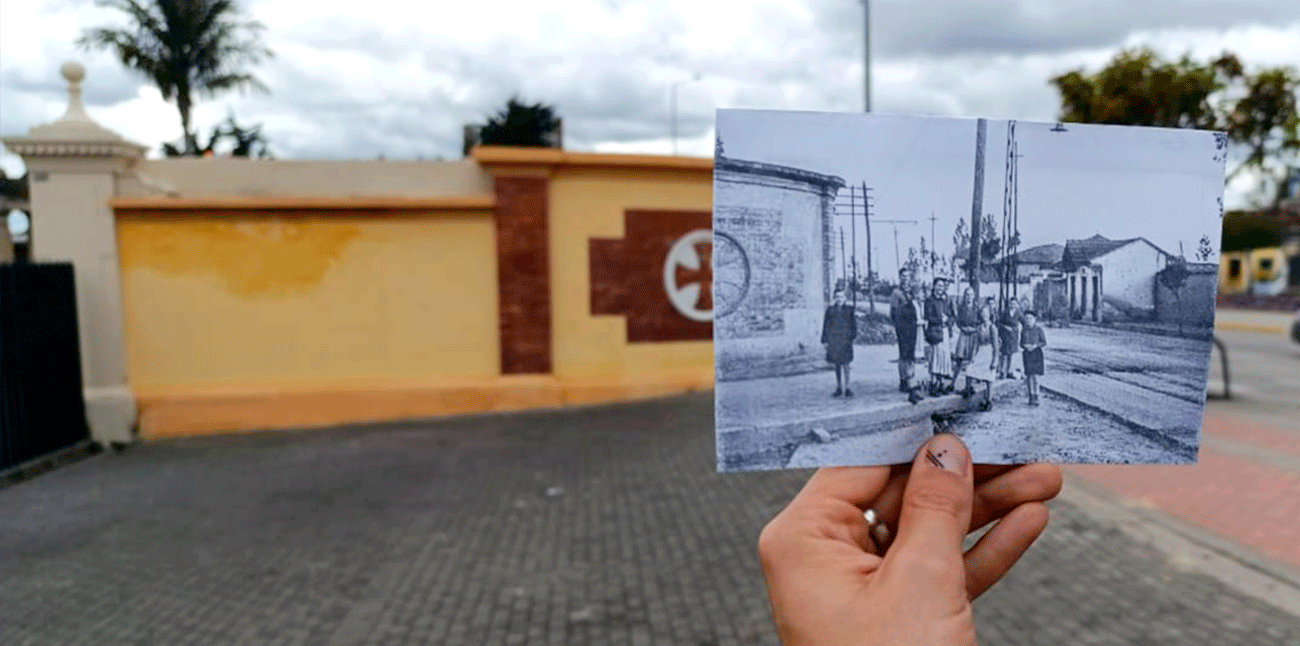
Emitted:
<point x="42" y="408"/>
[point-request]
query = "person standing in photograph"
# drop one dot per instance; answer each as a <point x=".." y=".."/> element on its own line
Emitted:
<point x="1008" y="338"/>
<point x="903" y="312"/>
<point x="983" y="360"/>
<point x="1032" y="341"/>
<point x="839" y="329"/>
<point x="938" y="316"/>
<point x="968" y="321"/>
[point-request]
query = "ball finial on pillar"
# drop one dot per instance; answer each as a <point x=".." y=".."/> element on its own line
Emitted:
<point x="73" y="72"/>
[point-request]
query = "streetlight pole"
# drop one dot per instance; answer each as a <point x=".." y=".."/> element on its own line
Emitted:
<point x="866" y="55"/>
<point x="673" y="101"/>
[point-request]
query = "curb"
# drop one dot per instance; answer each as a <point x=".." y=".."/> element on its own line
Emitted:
<point x="1188" y="333"/>
<point x="48" y="462"/>
<point x="1247" y="327"/>
<point x="748" y="447"/>
<point x="1156" y="435"/>
<point x="1191" y="548"/>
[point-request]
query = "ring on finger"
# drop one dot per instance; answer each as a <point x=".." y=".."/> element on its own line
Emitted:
<point x="876" y="525"/>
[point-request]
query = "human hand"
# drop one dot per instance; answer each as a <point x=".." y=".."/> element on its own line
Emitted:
<point x="830" y="584"/>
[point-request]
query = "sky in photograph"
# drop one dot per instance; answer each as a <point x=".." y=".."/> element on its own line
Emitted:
<point x="394" y="78"/>
<point x="1118" y="182"/>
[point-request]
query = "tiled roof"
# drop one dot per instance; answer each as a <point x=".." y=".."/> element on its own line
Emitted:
<point x="1044" y="254"/>
<point x="1080" y="252"/>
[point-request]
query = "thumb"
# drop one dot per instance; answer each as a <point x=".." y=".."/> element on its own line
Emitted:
<point x="936" y="508"/>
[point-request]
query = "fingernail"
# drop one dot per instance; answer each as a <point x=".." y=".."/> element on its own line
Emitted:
<point x="945" y="451"/>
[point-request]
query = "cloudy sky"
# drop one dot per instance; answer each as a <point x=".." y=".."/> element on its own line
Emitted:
<point x="356" y="80"/>
<point x="1156" y="183"/>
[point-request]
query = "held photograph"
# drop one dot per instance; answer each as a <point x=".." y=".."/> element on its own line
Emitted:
<point x="1045" y="291"/>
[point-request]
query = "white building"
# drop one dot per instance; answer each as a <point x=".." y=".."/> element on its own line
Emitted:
<point x="1107" y="277"/>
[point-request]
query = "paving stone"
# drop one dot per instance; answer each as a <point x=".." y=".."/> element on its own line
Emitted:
<point x="412" y="535"/>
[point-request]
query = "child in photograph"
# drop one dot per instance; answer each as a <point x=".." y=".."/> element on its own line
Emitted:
<point x="839" y="329"/>
<point x="983" y="360"/>
<point x="1032" y="341"/>
<point x="1008" y="338"/>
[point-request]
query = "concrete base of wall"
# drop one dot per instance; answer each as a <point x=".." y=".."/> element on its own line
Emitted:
<point x="208" y="411"/>
<point x="111" y="414"/>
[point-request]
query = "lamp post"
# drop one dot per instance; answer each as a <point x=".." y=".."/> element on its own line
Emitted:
<point x="673" y="102"/>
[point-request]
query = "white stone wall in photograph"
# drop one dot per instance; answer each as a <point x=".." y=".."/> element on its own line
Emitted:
<point x="781" y="218"/>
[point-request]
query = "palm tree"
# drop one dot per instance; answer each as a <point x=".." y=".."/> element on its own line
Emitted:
<point x="186" y="47"/>
<point x="522" y="124"/>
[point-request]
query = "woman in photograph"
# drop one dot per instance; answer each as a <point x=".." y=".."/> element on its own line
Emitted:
<point x="938" y="316"/>
<point x="839" y="329"/>
<point x="968" y="321"/>
<point x="1008" y="338"/>
<point x="980" y="369"/>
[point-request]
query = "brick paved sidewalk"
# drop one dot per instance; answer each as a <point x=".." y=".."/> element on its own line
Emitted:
<point x="600" y="526"/>
<point x="1244" y="487"/>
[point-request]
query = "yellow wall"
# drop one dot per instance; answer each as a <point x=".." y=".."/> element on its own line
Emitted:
<point x="1251" y="269"/>
<point x="232" y="302"/>
<point x="1229" y="284"/>
<point x="253" y="313"/>
<point x="592" y="357"/>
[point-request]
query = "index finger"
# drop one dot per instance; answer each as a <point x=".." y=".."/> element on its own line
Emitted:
<point x="858" y="486"/>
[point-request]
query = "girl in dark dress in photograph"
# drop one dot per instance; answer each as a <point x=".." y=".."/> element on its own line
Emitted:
<point x="839" y="329"/>
<point x="1032" y="341"/>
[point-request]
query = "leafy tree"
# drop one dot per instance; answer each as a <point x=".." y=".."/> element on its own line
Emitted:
<point x="990" y="243"/>
<point x="1174" y="278"/>
<point x="1248" y="230"/>
<point x="1204" y="249"/>
<point x="1257" y="111"/>
<point x="186" y="47"/>
<point x="522" y="124"/>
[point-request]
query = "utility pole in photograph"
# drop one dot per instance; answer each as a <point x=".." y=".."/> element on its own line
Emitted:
<point x="844" y="271"/>
<point x="853" y="229"/>
<point x="934" y="255"/>
<point x="977" y="208"/>
<point x="1010" y="269"/>
<point x="866" y="217"/>
<point x="898" y="257"/>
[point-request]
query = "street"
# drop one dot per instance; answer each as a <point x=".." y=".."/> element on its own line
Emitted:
<point x="604" y="525"/>
<point x="1265" y="372"/>
<point x="608" y="525"/>
<point x="1109" y="396"/>
<point x="1244" y="486"/>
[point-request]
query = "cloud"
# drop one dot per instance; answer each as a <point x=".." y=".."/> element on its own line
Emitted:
<point x="966" y="27"/>
<point x="400" y="79"/>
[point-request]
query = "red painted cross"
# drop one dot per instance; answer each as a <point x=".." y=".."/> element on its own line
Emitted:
<point x="704" y="276"/>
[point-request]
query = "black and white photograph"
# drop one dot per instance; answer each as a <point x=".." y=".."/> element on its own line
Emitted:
<point x="1045" y="291"/>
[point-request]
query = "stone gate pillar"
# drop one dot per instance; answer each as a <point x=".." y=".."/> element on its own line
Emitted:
<point x="75" y="168"/>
